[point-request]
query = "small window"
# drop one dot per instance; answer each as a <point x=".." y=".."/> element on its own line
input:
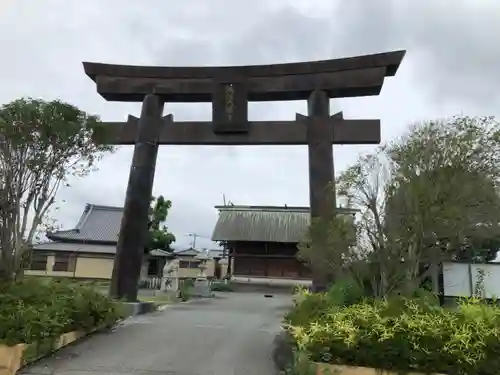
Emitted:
<point x="188" y="264"/>
<point x="38" y="262"/>
<point x="64" y="263"/>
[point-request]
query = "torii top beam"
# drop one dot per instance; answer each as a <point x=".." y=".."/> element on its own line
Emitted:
<point x="345" y="77"/>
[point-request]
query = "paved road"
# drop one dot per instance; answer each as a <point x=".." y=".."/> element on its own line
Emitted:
<point x="228" y="335"/>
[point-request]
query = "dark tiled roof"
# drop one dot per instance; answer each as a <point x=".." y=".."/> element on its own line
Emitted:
<point x="264" y="223"/>
<point x="97" y="224"/>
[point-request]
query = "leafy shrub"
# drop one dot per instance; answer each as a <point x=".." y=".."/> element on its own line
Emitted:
<point x="406" y="335"/>
<point x="32" y="311"/>
<point x="345" y="292"/>
<point x="222" y="287"/>
<point x="185" y="289"/>
<point x="310" y="307"/>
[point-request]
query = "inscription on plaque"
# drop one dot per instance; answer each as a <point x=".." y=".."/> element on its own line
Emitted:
<point x="229" y="91"/>
<point x="230" y="108"/>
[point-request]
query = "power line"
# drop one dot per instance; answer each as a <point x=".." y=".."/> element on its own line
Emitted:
<point x="195" y="236"/>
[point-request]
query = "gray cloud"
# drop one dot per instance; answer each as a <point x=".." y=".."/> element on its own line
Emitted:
<point x="454" y="47"/>
<point x="450" y="67"/>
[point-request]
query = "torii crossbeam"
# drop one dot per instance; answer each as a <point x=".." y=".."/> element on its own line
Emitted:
<point x="259" y="132"/>
<point x="230" y="89"/>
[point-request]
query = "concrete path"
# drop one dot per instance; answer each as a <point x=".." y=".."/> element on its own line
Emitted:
<point x="228" y="335"/>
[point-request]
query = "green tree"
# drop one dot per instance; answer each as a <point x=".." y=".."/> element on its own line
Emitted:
<point x="41" y="145"/>
<point x="328" y="247"/>
<point x="445" y="192"/>
<point x="160" y="238"/>
<point x="426" y="197"/>
<point x="365" y="185"/>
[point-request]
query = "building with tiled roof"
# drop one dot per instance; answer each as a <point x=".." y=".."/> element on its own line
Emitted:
<point x="98" y="224"/>
<point x="261" y="242"/>
<point x="88" y="250"/>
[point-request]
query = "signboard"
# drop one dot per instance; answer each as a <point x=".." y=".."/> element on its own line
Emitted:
<point x="230" y="108"/>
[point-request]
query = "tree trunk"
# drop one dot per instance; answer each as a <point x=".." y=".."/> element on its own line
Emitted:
<point x="435" y="277"/>
<point x="6" y="273"/>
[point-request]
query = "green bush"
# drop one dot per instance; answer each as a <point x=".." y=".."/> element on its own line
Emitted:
<point x="32" y="311"/>
<point x="185" y="289"/>
<point x="310" y="307"/>
<point x="405" y="335"/>
<point x="345" y="292"/>
<point x="222" y="287"/>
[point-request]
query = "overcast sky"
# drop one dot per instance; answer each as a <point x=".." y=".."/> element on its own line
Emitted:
<point x="452" y="66"/>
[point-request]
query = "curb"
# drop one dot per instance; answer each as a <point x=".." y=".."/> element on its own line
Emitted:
<point x="135" y="308"/>
<point x="75" y="337"/>
<point x="65" y="340"/>
<point x="283" y="351"/>
<point x="163" y="307"/>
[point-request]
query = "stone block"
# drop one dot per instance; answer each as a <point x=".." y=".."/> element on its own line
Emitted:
<point x="201" y="288"/>
<point x="136" y="308"/>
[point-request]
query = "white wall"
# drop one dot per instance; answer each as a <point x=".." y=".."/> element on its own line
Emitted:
<point x="270" y="281"/>
<point x="457" y="279"/>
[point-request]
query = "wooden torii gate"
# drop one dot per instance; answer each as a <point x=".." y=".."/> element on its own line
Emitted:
<point x="230" y="89"/>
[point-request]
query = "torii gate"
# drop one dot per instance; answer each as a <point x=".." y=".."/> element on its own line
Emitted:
<point x="230" y="89"/>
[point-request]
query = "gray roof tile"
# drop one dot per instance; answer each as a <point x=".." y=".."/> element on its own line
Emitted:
<point x="264" y="223"/>
<point x="187" y="252"/>
<point x="97" y="223"/>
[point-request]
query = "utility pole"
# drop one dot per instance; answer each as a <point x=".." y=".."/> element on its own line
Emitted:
<point x="194" y="235"/>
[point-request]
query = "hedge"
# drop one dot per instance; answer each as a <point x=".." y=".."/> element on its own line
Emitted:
<point x="220" y="286"/>
<point x="400" y="335"/>
<point x="32" y="311"/>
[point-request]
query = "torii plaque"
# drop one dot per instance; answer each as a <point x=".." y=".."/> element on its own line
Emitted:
<point x="230" y="89"/>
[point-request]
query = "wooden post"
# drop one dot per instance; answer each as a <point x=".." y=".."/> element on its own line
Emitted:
<point x="134" y="226"/>
<point x="321" y="172"/>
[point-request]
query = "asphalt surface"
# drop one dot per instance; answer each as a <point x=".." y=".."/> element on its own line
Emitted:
<point x="231" y="334"/>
